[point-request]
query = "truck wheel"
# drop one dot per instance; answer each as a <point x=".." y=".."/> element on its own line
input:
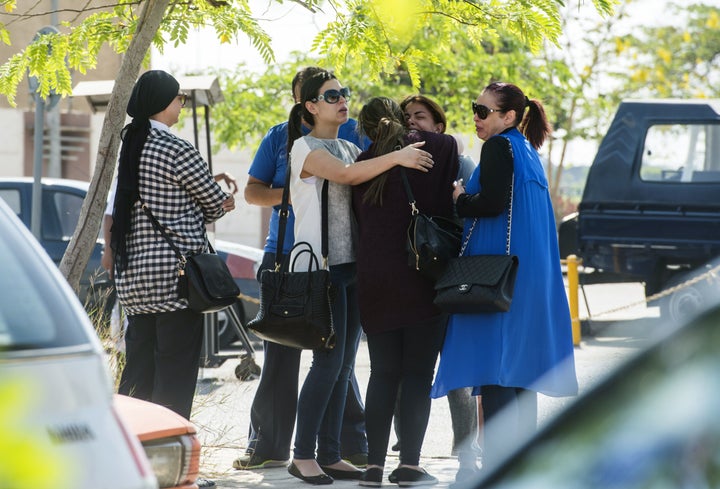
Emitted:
<point x="689" y="300"/>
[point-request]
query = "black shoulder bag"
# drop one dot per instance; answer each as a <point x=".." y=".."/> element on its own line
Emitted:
<point x="431" y="240"/>
<point x="203" y="278"/>
<point x="479" y="283"/>
<point x="295" y="305"/>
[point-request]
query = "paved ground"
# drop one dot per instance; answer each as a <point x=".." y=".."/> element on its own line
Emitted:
<point x="222" y="405"/>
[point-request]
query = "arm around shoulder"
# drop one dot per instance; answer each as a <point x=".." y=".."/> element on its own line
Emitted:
<point x="324" y="165"/>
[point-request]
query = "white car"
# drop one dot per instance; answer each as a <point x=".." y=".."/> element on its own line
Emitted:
<point x="59" y="425"/>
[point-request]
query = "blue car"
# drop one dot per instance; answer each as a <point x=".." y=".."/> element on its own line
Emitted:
<point x="62" y="200"/>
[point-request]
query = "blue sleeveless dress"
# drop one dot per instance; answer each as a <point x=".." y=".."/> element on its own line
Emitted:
<point x="529" y="346"/>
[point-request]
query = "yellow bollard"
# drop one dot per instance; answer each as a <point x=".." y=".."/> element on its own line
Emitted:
<point x="573" y="284"/>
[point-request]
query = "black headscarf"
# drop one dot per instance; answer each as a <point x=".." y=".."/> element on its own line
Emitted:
<point x="152" y="93"/>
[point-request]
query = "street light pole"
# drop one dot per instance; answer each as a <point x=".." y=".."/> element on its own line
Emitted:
<point x="39" y="128"/>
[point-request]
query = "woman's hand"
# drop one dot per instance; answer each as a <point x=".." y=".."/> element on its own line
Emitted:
<point x="412" y="157"/>
<point x="229" y="181"/>
<point x="458" y="189"/>
<point x="228" y="204"/>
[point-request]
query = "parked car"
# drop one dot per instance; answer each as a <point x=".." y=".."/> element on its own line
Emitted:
<point x="51" y="355"/>
<point x="170" y="441"/>
<point x="650" y="210"/>
<point x="62" y="200"/>
<point x="652" y="423"/>
<point x="61" y="203"/>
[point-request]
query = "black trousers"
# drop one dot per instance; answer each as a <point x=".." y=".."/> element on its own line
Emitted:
<point x="274" y="407"/>
<point x="401" y="360"/>
<point x="162" y="358"/>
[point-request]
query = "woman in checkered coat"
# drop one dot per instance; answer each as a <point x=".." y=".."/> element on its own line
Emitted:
<point x="167" y="174"/>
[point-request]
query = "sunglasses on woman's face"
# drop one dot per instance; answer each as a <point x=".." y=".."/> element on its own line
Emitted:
<point x="183" y="99"/>
<point x="332" y="96"/>
<point x="483" y="111"/>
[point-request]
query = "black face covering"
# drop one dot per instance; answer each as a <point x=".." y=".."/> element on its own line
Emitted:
<point x="153" y="92"/>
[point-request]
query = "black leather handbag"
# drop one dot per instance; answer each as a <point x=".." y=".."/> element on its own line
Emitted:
<point x="203" y="279"/>
<point x="209" y="284"/>
<point x="431" y="240"/>
<point x="295" y="305"/>
<point x="480" y="283"/>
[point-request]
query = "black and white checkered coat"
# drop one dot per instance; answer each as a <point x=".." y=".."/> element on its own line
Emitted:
<point x="177" y="186"/>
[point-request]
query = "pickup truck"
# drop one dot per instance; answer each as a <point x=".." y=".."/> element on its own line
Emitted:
<point x="61" y="203"/>
<point x="650" y="210"/>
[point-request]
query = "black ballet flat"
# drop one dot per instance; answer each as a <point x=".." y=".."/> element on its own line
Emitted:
<point x="315" y="480"/>
<point x="353" y="475"/>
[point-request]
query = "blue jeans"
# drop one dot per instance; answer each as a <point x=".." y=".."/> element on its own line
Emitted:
<point x="322" y="398"/>
<point x="273" y="410"/>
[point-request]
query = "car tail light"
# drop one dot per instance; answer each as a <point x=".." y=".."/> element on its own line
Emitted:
<point x="175" y="461"/>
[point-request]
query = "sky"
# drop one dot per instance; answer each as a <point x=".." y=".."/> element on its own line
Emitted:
<point x="290" y="26"/>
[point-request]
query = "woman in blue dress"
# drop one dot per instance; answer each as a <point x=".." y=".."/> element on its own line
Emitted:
<point x="508" y="358"/>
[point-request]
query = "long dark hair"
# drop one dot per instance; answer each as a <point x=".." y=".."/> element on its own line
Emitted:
<point x="534" y="124"/>
<point x="382" y="120"/>
<point x="309" y="90"/>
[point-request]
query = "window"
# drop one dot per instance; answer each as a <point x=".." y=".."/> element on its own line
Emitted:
<point x="34" y="312"/>
<point x="11" y="197"/>
<point x="68" y="208"/>
<point x="681" y="153"/>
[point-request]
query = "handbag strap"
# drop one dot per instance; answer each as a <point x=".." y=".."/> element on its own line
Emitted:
<point x="411" y="197"/>
<point x="509" y="224"/>
<point x="161" y="229"/>
<point x="285" y="212"/>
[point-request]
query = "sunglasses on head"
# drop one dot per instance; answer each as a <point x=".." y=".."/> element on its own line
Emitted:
<point x="332" y="96"/>
<point x="483" y="111"/>
<point x="183" y="98"/>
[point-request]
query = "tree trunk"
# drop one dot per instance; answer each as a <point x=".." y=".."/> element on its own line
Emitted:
<point x="83" y="241"/>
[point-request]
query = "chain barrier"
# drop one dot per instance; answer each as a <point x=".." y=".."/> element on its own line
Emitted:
<point x="710" y="274"/>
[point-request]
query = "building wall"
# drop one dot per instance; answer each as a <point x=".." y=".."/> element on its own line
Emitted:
<point x="24" y="30"/>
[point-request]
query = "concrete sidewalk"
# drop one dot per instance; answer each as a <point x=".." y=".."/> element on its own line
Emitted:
<point x="222" y="415"/>
<point x="222" y="408"/>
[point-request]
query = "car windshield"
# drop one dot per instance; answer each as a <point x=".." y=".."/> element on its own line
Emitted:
<point x="34" y="312"/>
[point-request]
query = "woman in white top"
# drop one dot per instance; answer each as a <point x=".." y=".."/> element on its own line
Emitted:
<point x="314" y="158"/>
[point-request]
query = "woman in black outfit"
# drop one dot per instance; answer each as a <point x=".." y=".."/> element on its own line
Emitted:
<point x="404" y="329"/>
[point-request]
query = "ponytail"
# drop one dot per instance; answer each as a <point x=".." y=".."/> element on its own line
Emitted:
<point x="381" y="120"/>
<point x="294" y="126"/>
<point x="533" y="124"/>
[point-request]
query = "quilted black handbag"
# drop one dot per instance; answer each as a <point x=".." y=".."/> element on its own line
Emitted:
<point x="431" y="240"/>
<point x="203" y="279"/>
<point x="295" y="305"/>
<point x="480" y="283"/>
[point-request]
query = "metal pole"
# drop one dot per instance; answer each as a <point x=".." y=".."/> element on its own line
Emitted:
<point x="53" y="118"/>
<point x="36" y="214"/>
<point x="207" y="137"/>
<point x="573" y="299"/>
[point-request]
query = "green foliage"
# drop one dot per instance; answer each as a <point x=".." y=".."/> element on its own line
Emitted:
<point x="51" y="57"/>
<point x="676" y="60"/>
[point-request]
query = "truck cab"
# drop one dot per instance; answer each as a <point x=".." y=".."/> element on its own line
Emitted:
<point x="650" y="211"/>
